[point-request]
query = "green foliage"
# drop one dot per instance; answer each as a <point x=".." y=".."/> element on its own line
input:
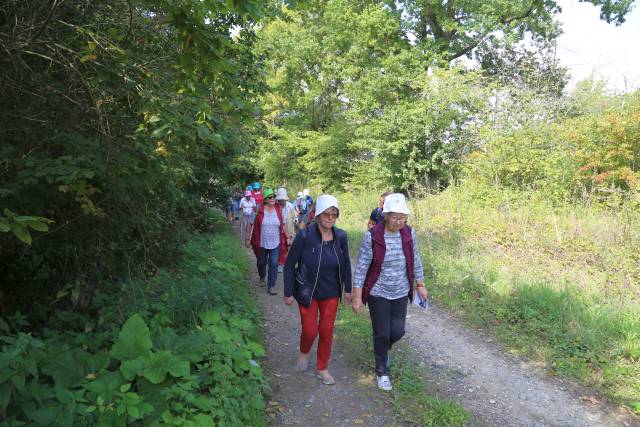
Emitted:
<point x="592" y="156"/>
<point x="118" y="121"/>
<point x="451" y="29"/>
<point x="20" y="225"/>
<point x="191" y="362"/>
<point x="418" y="141"/>
<point x="347" y="111"/>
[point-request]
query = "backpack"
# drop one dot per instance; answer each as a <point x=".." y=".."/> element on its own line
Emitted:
<point x="301" y="204"/>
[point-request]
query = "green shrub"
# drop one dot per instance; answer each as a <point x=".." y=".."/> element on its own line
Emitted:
<point x="185" y="353"/>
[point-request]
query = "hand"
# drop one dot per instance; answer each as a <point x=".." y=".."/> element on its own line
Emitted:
<point x="288" y="300"/>
<point x="356" y="305"/>
<point x="422" y="291"/>
<point x="347" y="298"/>
<point x="247" y="243"/>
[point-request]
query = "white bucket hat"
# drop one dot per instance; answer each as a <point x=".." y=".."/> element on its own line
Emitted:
<point x="325" y="202"/>
<point x="300" y="194"/>
<point x="281" y="194"/>
<point x="395" y="202"/>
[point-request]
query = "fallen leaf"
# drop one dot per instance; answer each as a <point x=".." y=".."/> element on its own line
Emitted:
<point x="591" y="399"/>
<point x="358" y="421"/>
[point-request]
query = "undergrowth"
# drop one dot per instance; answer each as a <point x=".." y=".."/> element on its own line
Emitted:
<point x="180" y="348"/>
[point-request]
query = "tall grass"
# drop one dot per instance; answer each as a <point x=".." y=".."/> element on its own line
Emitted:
<point x="557" y="283"/>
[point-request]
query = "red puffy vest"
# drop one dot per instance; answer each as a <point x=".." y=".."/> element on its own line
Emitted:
<point x="379" y="249"/>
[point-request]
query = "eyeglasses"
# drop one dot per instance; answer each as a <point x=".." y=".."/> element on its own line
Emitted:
<point x="397" y="219"/>
<point x="270" y="197"/>
<point x="330" y="214"/>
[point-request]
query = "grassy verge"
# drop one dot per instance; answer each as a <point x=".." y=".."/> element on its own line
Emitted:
<point x="410" y="397"/>
<point x="557" y="284"/>
<point x="180" y="348"/>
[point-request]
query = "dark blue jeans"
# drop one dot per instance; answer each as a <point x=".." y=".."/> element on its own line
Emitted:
<point x="268" y="257"/>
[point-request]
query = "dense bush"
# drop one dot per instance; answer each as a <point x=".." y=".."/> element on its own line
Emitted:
<point x="591" y="157"/>
<point x="179" y="348"/>
<point x="117" y="121"/>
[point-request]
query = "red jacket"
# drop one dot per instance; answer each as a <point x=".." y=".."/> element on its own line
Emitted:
<point x="379" y="248"/>
<point x="257" y="230"/>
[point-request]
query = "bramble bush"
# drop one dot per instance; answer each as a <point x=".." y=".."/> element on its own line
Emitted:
<point x="178" y="348"/>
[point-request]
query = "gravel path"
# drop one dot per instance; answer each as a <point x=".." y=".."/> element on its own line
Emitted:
<point x="465" y="365"/>
<point x="497" y="388"/>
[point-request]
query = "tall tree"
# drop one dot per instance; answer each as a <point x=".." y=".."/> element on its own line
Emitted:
<point x="454" y="28"/>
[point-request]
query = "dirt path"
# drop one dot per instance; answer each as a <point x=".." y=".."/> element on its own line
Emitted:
<point x="497" y="388"/>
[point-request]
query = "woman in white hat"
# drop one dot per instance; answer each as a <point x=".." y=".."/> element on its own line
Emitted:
<point x="316" y="273"/>
<point x="387" y="267"/>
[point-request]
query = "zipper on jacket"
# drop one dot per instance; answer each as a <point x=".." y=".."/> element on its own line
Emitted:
<point x="317" y="273"/>
<point x="339" y="273"/>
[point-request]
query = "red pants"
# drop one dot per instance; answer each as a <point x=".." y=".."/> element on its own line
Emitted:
<point x="311" y="327"/>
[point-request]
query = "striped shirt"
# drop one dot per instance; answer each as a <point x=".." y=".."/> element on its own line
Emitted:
<point x="270" y="231"/>
<point x="393" y="282"/>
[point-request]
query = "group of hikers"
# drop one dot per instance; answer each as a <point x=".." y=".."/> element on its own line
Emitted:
<point x="301" y="240"/>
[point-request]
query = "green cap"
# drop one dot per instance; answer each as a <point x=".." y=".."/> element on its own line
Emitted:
<point x="267" y="192"/>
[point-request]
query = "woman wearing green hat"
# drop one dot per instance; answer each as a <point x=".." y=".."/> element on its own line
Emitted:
<point x="269" y="239"/>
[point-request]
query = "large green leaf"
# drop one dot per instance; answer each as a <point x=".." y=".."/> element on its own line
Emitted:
<point x="5" y="396"/>
<point x="21" y="232"/>
<point x="134" y="339"/>
<point x="37" y="225"/>
<point x="157" y="366"/>
<point x="180" y="368"/>
<point x="202" y="420"/>
<point x="132" y="368"/>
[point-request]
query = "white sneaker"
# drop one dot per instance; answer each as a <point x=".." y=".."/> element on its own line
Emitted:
<point x="280" y="269"/>
<point x="384" y="383"/>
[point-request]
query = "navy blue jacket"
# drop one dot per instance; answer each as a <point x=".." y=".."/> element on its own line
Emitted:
<point x="303" y="259"/>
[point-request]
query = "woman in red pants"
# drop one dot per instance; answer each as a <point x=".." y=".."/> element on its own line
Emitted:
<point x="316" y="273"/>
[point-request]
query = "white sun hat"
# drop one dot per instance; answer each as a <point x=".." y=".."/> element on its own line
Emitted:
<point x="300" y="194"/>
<point x="305" y="191"/>
<point x="325" y="202"/>
<point x="395" y="202"/>
<point x="281" y="194"/>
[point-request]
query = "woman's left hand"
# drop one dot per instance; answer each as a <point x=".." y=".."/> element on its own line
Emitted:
<point x="422" y="291"/>
<point x="347" y="298"/>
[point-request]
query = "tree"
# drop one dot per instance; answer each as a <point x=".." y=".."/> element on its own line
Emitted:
<point x="451" y="29"/>
<point x="115" y="119"/>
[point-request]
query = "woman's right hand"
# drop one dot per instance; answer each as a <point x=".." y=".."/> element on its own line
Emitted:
<point x="288" y="300"/>
<point x="356" y="305"/>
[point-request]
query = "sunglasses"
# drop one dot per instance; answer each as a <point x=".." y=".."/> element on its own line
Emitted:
<point x="270" y="197"/>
